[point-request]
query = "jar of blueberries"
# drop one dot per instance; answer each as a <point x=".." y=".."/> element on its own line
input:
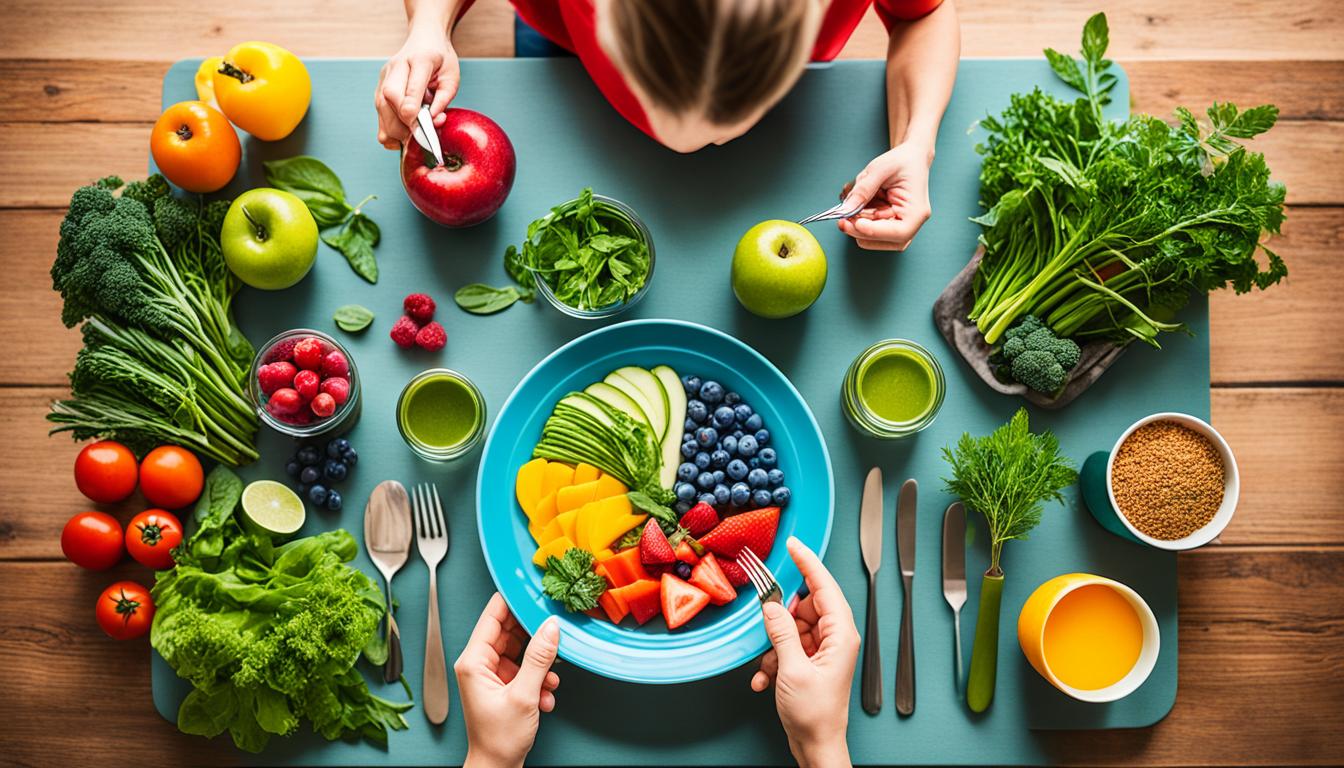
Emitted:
<point x="728" y="458"/>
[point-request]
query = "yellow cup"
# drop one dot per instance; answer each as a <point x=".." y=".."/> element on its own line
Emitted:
<point x="1091" y="638"/>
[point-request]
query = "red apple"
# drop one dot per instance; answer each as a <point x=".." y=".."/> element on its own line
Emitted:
<point x="476" y="175"/>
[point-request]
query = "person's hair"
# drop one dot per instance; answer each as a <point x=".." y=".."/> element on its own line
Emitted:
<point x="722" y="58"/>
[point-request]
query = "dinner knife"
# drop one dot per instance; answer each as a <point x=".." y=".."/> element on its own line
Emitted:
<point x="870" y="542"/>
<point x="905" y="551"/>
<point x="954" y="573"/>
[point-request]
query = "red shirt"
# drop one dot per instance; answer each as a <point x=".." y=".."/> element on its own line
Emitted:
<point x="571" y="25"/>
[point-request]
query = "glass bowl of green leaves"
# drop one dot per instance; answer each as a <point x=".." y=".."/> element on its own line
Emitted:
<point x="590" y="257"/>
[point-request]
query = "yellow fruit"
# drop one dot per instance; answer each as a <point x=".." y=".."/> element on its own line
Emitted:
<point x="555" y="547"/>
<point x="543" y="513"/>
<point x="527" y="487"/>
<point x="603" y="533"/>
<point x="205" y="80"/>
<point x="566" y="522"/>
<point x="575" y="496"/>
<point x="608" y="486"/>
<point x="586" y="473"/>
<point x="557" y="476"/>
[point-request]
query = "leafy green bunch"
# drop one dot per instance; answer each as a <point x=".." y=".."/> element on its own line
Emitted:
<point x="269" y="635"/>
<point x="163" y="359"/>
<point x="1104" y="229"/>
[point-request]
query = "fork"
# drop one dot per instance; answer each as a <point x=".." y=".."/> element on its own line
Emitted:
<point x="836" y="211"/>
<point x="431" y="536"/>
<point x="767" y="589"/>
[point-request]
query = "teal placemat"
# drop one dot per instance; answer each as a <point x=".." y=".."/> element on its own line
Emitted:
<point x="697" y="205"/>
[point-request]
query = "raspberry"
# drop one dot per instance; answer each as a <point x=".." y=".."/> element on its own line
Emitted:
<point x="281" y="350"/>
<point x="284" y="402"/>
<point x="338" y="388"/>
<point x="335" y="364"/>
<point x="273" y="376"/>
<point x="432" y="337"/>
<point x="420" y="307"/>
<point x="404" y="331"/>
<point x="306" y="383"/>
<point x="323" y="405"/>
<point x="308" y="353"/>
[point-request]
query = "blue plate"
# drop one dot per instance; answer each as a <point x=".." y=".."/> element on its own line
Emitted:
<point x="720" y="638"/>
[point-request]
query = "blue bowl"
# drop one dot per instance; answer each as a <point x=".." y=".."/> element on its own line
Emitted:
<point x="720" y="638"/>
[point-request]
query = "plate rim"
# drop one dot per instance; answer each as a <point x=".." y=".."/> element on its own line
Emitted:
<point x="717" y="669"/>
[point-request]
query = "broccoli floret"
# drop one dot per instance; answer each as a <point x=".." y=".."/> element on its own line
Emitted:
<point x="1033" y="355"/>
<point x="148" y="191"/>
<point x="212" y="217"/>
<point x="175" y="221"/>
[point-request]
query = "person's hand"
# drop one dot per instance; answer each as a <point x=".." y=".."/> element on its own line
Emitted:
<point x="894" y="192"/>
<point x="811" y="664"/>
<point x="502" y="698"/>
<point x="424" y="71"/>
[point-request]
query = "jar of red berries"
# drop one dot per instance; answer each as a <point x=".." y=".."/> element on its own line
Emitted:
<point x="305" y="384"/>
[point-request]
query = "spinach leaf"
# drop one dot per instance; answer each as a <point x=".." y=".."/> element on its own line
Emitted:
<point x="352" y="318"/>
<point x="346" y="228"/>
<point x="355" y="241"/>
<point x="481" y="299"/>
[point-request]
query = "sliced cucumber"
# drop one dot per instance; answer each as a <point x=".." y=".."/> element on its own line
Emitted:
<point x="676" y="416"/>
<point x="647" y="392"/>
<point x="618" y="399"/>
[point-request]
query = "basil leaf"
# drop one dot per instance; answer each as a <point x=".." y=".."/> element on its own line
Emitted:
<point x="356" y="241"/>
<point x="481" y="299"/>
<point x="352" y="318"/>
<point x="314" y="183"/>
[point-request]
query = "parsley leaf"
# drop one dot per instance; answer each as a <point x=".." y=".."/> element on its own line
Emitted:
<point x="571" y="580"/>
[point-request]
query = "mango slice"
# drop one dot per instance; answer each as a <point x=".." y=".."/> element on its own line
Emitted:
<point x="586" y="473"/>
<point x="527" y="487"/>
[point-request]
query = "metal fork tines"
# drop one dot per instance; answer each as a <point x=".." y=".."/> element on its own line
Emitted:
<point x="837" y="211"/>
<point x="431" y="536"/>
<point x="767" y="589"/>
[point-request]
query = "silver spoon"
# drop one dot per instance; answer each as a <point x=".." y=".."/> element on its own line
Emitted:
<point x="387" y="536"/>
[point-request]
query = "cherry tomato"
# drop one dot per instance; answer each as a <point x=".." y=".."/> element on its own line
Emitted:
<point x="150" y="537"/>
<point x="171" y="477"/>
<point x="124" y="610"/>
<point x="105" y="472"/>
<point x="195" y="147"/>
<point x="92" y="540"/>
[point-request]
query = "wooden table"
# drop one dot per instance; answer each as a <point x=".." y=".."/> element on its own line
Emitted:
<point x="1262" y="627"/>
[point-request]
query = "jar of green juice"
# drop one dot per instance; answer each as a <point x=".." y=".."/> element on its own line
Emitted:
<point x="893" y="390"/>
<point x="441" y="415"/>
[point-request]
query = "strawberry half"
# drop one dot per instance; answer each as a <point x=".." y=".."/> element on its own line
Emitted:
<point x="755" y="529"/>
<point x="736" y="576"/>
<point x="681" y="601"/>
<point x="654" y="548"/>
<point x="707" y="575"/>
<point x="700" y="519"/>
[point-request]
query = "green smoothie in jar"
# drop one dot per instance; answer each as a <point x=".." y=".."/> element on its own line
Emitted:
<point x="441" y="414"/>
<point x="893" y="390"/>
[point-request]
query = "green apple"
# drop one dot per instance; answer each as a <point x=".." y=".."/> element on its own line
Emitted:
<point x="779" y="269"/>
<point x="269" y="238"/>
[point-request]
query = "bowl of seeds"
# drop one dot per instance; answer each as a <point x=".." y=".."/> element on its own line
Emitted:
<point x="1169" y="482"/>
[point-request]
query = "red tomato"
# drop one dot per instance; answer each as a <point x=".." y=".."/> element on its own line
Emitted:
<point x="92" y="540"/>
<point x="124" y="610"/>
<point x="105" y="472"/>
<point x="150" y="537"/>
<point x="171" y="477"/>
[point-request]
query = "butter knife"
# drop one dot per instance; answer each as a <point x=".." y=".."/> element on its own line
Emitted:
<point x="905" y="551"/>
<point x="870" y="542"/>
<point x="954" y="573"/>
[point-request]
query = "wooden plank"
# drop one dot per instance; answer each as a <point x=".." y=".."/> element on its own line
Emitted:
<point x="176" y="29"/>
<point x="1291" y="484"/>
<point x="1308" y="157"/>
<point x="63" y="90"/>
<point x="1284" y="334"/>
<point x="1302" y="90"/>
<point x="1261" y="626"/>
<point x="1140" y="29"/>
<point x="30" y="314"/>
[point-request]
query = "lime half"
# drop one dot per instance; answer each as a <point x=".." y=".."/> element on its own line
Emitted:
<point x="273" y="507"/>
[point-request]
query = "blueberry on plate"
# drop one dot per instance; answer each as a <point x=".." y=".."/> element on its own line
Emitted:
<point x="762" y="436"/>
<point x="720" y="476"/>
<point x="758" y="478"/>
<point x="689" y="425"/>
<point x="689" y="449"/>
<point x="334" y="470"/>
<point x="706" y="498"/>
<point x="308" y="455"/>
<point x="691" y="384"/>
<point x="687" y="472"/>
<point x="732" y="398"/>
<point x="723" y="417"/>
<point x="334" y="500"/>
<point x="711" y="392"/>
<point x="702" y="461"/>
<point x="737" y="433"/>
<point x="760" y="498"/>
<point x="318" y="495"/>
<point x="780" y="496"/>
<point x="775" y="478"/>
<point x="737" y="469"/>
<point x="683" y="570"/>
<point x="754" y="462"/>
<point x="697" y="411"/>
<point x="746" y="446"/>
<point x="309" y="475"/>
<point x="684" y="491"/>
<point x="739" y="494"/>
<point x="719" y="459"/>
<point x="682" y="507"/>
<point x="293" y="468"/>
<point x="768" y="457"/>
<point x="337" y="447"/>
<point x="706" y="437"/>
<point x="350" y="457"/>
<point x="705" y="481"/>
<point x="722" y="495"/>
<point x="729" y="445"/>
<point x="742" y="412"/>
<point x="753" y="422"/>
